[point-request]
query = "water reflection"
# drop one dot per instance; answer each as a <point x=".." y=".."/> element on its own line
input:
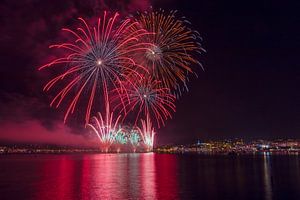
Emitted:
<point x="108" y="176"/>
<point x="56" y="179"/>
<point x="149" y="176"/>
<point x="166" y="177"/>
<point x="267" y="176"/>
<point x="148" y="172"/>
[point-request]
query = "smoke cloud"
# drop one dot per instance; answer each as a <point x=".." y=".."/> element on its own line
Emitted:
<point x="32" y="131"/>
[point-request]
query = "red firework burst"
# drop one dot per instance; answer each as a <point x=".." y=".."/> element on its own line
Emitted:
<point x="144" y="98"/>
<point x="97" y="60"/>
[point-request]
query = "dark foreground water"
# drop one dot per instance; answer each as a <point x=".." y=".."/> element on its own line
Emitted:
<point x="149" y="176"/>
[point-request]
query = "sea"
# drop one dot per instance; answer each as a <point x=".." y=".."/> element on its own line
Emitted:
<point x="149" y="176"/>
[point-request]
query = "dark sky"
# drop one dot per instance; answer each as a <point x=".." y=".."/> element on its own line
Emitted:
<point x="249" y="89"/>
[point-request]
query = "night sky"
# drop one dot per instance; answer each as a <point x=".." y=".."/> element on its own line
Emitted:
<point x="249" y="89"/>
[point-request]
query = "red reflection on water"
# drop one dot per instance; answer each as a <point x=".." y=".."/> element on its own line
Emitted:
<point x="57" y="178"/>
<point x="108" y="176"/>
<point x="85" y="184"/>
<point x="166" y="177"/>
<point x="148" y="183"/>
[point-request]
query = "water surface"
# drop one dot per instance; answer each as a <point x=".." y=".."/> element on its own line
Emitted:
<point x="149" y="176"/>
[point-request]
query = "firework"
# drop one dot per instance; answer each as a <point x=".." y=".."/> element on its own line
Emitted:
<point x="147" y="132"/>
<point x="96" y="60"/>
<point x="121" y="138"/>
<point x="134" y="138"/>
<point x="106" y="128"/>
<point x="146" y="97"/>
<point x="173" y="47"/>
<point x="134" y="66"/>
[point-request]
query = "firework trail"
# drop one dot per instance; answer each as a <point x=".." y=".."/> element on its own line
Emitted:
<point x="174" y="48"/>
<point x="145" y="98"/>
<point x="106" y="128"/>
<point x="147" y="132"/>
<point x="96" y="60"/>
